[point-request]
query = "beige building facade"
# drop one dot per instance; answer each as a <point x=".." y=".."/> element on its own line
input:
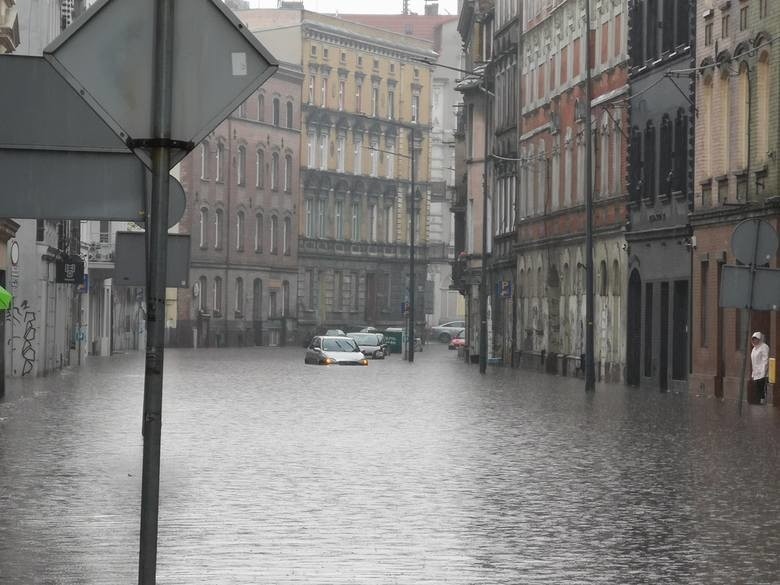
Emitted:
<point x="365" y="94"/>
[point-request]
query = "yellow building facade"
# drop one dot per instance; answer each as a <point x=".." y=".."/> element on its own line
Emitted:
<point x="366" y="93"/>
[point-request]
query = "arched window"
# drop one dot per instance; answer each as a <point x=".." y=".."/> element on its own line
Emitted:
<point x="616" y="282"/>
<point x="742" y="116"/>
<point x="567" y="170"/>
<point x="705" y="152"/>
<point x="604" y="164"/>
<point x="241" y="166"/>
<point x="288" y="173"/>
<point x="680" y="160"/>
<point x="220" y="162"/>
<point x="275" y="171"/>
<point x="217" y="295"/>
<point x="274" y="235"/>
<point x="260" y="169"/>
<point x="603" y="290"/>
<point x="202" y="228"/>
<point x="260" y="107"/>
<point x="240" y="231"/>
<point x="724" y="138"/>
<point x="276" y="111"/>
<point x="636" y="171"/>
<point x="259" y="232"/>
<point x="218" y="229"/>
<point x="762" y="109"/>
<point x="204" y="161"/>
<point x="239" y="302"/>
<point x="287" y="236"/>
<point x="665" y="175"/>
<point x="649" y="165"/>
<point x="290" y="122"/>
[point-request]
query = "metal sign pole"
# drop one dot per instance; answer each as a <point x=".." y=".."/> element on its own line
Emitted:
<point x="411" y="307"/>
<point x="156" y="226"/>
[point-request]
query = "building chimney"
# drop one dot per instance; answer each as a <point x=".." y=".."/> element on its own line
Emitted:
<point x="431" y="9"/>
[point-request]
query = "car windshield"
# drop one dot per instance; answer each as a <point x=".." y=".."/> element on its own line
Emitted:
<point x="339" y="345"/>
<point x="365" y="338"/>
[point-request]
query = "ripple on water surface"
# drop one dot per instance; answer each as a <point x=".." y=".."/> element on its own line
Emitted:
<point x="279" y="473"/>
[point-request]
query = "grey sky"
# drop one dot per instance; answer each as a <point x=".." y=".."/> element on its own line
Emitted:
<point x="364" y="6"/>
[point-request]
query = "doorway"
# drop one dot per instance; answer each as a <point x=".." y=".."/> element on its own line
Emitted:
<point x="257" y="311"/>
<point x="634" y="325"/>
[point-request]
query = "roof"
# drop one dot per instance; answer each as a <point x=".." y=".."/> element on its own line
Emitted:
<point x="414" y="25"/>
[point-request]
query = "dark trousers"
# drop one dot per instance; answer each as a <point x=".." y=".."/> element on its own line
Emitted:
<point x="759" y="389"/>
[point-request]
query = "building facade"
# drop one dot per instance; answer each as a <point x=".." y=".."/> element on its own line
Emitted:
<point x="474" y="137"/>
<point x="660" y="155"/>
<point x="551" y="272"/>
<point x="736" y="175"/>
<point x="242" y="186"/>
<point x="504" y="163"/>
<point x="442" y="304"/>
<point x="366" y="97"/>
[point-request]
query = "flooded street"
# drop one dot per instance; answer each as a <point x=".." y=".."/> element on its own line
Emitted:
<point x="278" y="473"/>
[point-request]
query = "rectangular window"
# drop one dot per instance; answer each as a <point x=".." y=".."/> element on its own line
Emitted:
<point x="324" y="53"/>
<point x="309" y="218"/>
<point x="322" y="209"/>
<point x="342" y="89"/>
<point x="324" y="93"/>
<point x="338" y="290"/>
<point x="358" y="98"/>
<point x="375" y="101"/>
<point x="372" y="223"/>
<point x="390" y="105"/>
<point x="355" y="222"/>
<point x="355" y="291"/>
<point x="708" y="34"/>
<point x="338" y="220"/>
<point x="743" y="18"/>
<point x="343" y="57"/>
<point x="763" y="8"/>
<point x="104" y="232"/>
<point x="311" y="90"/>
<point x="415" y="108"/>
<point x="40" y="230"/>
<point x="310" y="289"/>
<point x="357" y="167"/>
<point x="388" y="224"/>
<point x="374" y="158"/>
<point x="323" y="152"/>
<point x="724" y="26"/>
<point x="341" y="154"/>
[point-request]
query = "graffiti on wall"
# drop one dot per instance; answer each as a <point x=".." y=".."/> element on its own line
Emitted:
<point x="23" y="320"/>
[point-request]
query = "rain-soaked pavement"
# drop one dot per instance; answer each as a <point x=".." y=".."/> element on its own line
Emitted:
<point x="278" y="473"/>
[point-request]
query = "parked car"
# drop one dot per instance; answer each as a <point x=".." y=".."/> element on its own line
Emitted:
<point x="371" y="344"/>
<point x="459" y="340"/>
<point x="447" y="331"/>
<point x="332" y="350"/>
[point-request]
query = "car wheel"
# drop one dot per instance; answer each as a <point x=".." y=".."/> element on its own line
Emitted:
<point x="444" y="337"/>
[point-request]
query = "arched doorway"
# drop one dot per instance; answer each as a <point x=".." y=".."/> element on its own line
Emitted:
<point x="554" y="319"/>
<point x="634" y="326"/>
<point x="257" y="310"/>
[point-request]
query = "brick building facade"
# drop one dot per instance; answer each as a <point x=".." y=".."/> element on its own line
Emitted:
<point x="551" y="207"/>
<point x="243" y="187"/>
<point x="736" y="175"/>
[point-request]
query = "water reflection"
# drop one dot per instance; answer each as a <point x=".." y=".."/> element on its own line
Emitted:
<point x="278" y="473"/>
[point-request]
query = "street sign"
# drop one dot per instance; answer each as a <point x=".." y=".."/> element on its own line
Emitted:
<point x="735" y="288"/>
<point x="59" y="160"/>
<point x="108" y="57"/>
<point x="43" y="184"/>
<point x="130" y="260"/>
<point x="754" y="236"/>
<point x="70" y="270"/>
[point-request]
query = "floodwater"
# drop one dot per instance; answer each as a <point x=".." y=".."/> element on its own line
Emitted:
<point x="278" y="473"/>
